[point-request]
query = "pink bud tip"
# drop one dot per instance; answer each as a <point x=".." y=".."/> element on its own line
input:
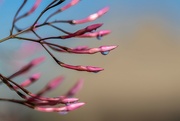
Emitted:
<point x="80" y="48"/>
<point x="108" y="48"/>
<point x="93" y="27"/>
<point x="104" y="32"/>
<point x="74" y="106"/>
<point x="92" y="17"/>
<point x="72" y="3"/>
<point x="82" y="68"/>
<point x="75" y="88"/>
<point x="36" y="76"/>
<point x="95" y="34"/>
<point x="69" y="100"/>
<point x="54" y="83"/>
<point x="29" y="81"/>
<point x="37" y="61"/>
<point x="35" y="6"/>
<point x="70" y="107"/>
<point x="94" y="69"/>
<point x="103" y="11"/>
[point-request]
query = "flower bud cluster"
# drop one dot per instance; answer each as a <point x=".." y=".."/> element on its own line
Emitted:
<point x="38" y="101"/>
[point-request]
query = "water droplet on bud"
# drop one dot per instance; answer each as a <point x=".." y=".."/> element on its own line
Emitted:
<point x="99" y="37"/>
<point x="63" y="112"/>
<point x="96" y="72"/>
<point x="105" y="52"/>
<point x="67" y="104"/>
<point x="93" y="30"/>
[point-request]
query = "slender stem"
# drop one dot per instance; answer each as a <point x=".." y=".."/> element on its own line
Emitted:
<point x="14" y="35"/>
<point x="12" y="100"/>
<point x="31" y="27"/>
<point x="62" y="47"/>
<point x="48" y="8"/>
<point x="28" y="39"/>
<point x="18" y="102"/>
<point x="66" y="32"/>
<point x="14" y="20"/>
<point x="49" y="52"/>
<point x="36" y="34"/>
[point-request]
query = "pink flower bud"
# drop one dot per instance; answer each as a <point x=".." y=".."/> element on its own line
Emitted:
<point x="28" y="67"/>
<point x="60" y="109"/>
<point x="81" y="31"/>
<point x="69" y="100"/>
<point x="89" y="28"/>
<point x="29" y="81"/>
<point x="54" y="83"/>
<point x="35" y="6"/>
<point x="79" y="48"/>
<point x="107" y="48"/>
<point x="92" y="17"/>
<point x="36" y="76"/>
<point x="72" y="3"/>
<point x="93" y="27"/>
<point x="92" y="50"/>
<point x="50" y="86"/>
<point x="95" y="34"/>
<point x="82" y="68"/>
<point x="74" y="106"/>
<point x="37" y="61"/>
<point x="75" y="88"/>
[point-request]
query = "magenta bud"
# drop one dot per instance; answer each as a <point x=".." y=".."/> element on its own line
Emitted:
<point x="107" y="48"/>
<point x="69" y="100"/>
<point x="103" y="49"/>
<point x="93" y="27"/>
<point x="72" y="3"/>
<point x="29" y="81"/>
<point x="82" y="68"/>
<point x="75" y="88"/>
<point x="103" y="11"/>
<point x="74" y="106"/>
<point x="92" y="17"/>
<point x="36" y="76"/>
<point x="37" y="3"/>
<point x="55" y="83"/>
<point x="95" y="34"/>
<point x="80" y="48"/>
<point x="29" y="66"/>
<point x="94" y="69"/>
<point x="70" y="107"/>
<point x="37" y="61"/>
<point x="104" y="32"/>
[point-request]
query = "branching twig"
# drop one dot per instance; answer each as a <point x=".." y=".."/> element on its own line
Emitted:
<point x="37" y="101"/>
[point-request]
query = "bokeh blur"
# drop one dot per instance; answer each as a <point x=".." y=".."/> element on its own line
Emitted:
<point x="141" y="77"/>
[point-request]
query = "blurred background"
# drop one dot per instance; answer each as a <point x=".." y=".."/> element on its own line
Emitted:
<point x="141" y="77"/>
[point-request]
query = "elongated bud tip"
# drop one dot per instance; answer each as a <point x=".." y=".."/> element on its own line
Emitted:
<point x="104" y="32"/>
<point x="69" y="100"/>
<point x="79" y="48"/>
<point x="74" y="106"/>
<point x="54" y="83"/>
<point x="94" y="27"/>
<point x="108" y="48"/>
<point x="36" y="76"/>
<point x="94" y="69"/>
<point x="75" y="88"/>
<point x="37" y="61"/>
<point x="103" y="11"/>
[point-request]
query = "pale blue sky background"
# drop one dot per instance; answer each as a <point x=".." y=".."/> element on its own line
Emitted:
<point x="121" y="11"/>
